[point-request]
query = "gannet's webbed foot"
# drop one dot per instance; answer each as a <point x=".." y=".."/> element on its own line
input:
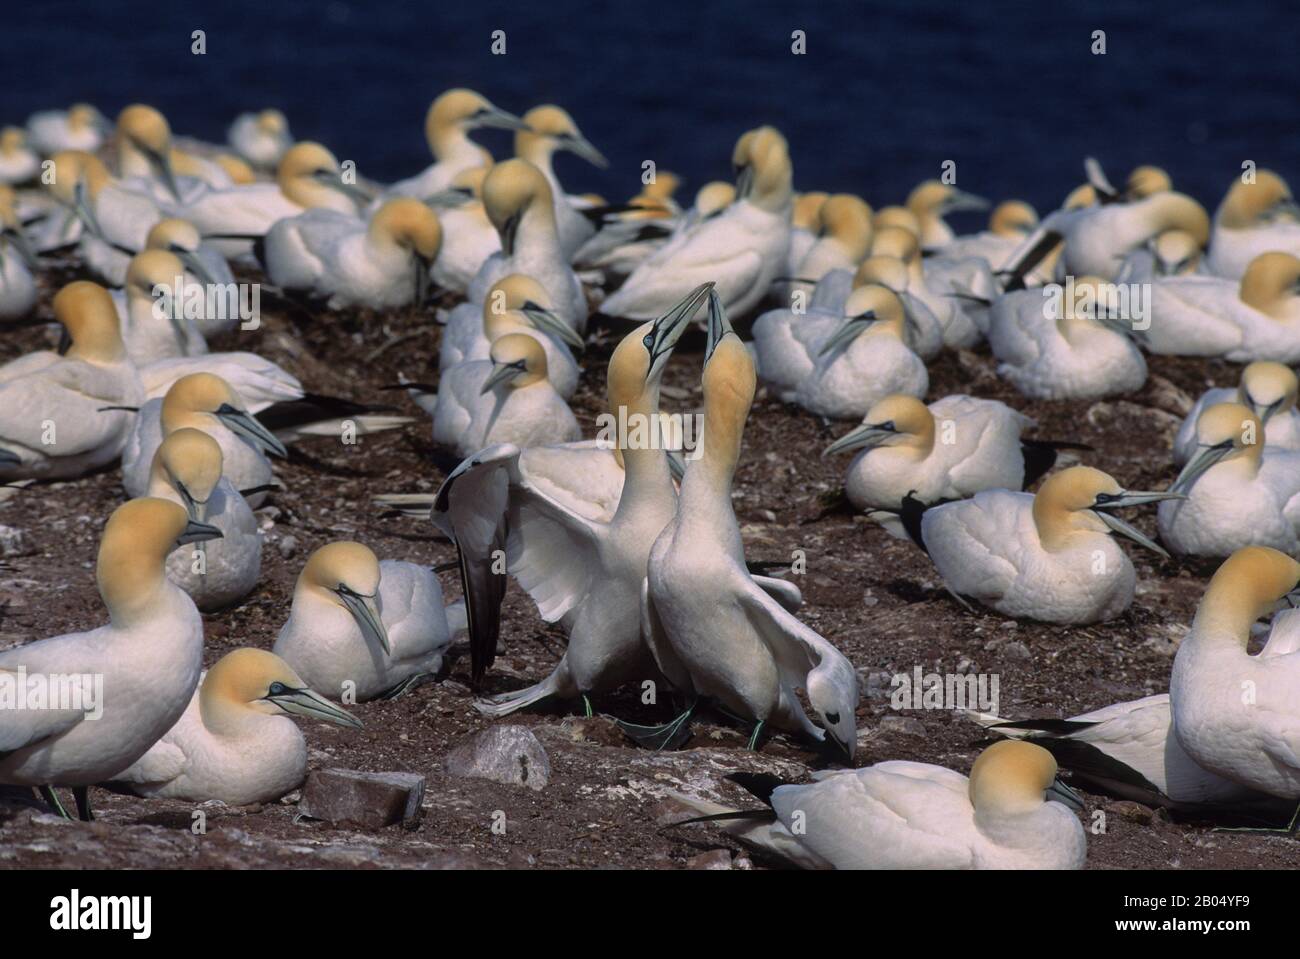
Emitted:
<point x="82" y="795"/>
<point x="51" y="797"/>
<point x="671" y="735"/>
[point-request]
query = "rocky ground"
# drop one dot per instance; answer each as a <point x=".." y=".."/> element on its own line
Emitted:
<point x="591" y="799"/>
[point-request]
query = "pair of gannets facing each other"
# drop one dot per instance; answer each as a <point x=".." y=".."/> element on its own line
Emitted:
<point x="80" y="127"/>
<point x="187" y="469"/>
<point x="261" y="138"/>
<point x="1012" y="813"/>
<point x="236" y="741"/>
<point x="1048" y="557"/>
<point x="349" y="262"/>
<point x="149" y="657"/>
<point x="1256" y="318"/>
<point x="951" y="449"/>
<point x="585" y="571"/>
<point x="1269" y="389"/>
<point x="53" y="421"/>
<point x="547" y="130"/>
<point x="447" y="125"/>
<point x="514" y="304"/>
<point x="1237" y="492"/>
<point x="360" y="628"/>
<point x="1254" y="218"/>
<point x="716" y="633"/>
<point x="844" y="242"/>
<point x="519" y="202"/>
<point x="1070" y="346"/>
<point x="742" y="250"/>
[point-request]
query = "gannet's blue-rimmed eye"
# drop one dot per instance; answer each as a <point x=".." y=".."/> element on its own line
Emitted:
<point x="277" y="689"/>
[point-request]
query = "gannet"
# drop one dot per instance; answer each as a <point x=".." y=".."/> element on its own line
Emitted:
<point x="186" y="469"/>
<point x="204" y="267"/>
<point x="1049" y="557"/>
<point x="1254" y="218"/>
<point x="1071" y="346"/>
<point x="582" y="571"/>
<point x="507" y="398"/>
<point x="1009" y="223"/>
<point x="866" y="359"/>
<point x="1238" y="493"/>
<point x="155" y="322"/>
<point x="18" y="161"/>
<point x="140" y="670"/>
<point x="1012" y="813"/>
<point x="805" y="227"/>
<point x="514" y="304"/>
<point x="1097" y="241"/>
<point x="1269" y="389"/>
<point x="17" y="260"/>
<point x="447" y="125"/>
<point x="742" y="250"/>
<point x="53" y="421"/>
<point x="145" y="153"/>
<point x="261" y="138"/>
<point x="845" y="242"/>
<point x="547" y="130"/>
<point x="236" y="742"/>
<point x="930" y="202"/>
<point x="1235" y="713"/>
<point x="348" y="262"/>
<point x="713" y="630"/>
<point x="518" y="201"/>
<point x="924" y="330"/>
<point x="786" y="340"/>
<point x="468" y="236"/>
<point x="205" y="402"/>
<point x="360" y="628"/>
<point x="80" y="127"/>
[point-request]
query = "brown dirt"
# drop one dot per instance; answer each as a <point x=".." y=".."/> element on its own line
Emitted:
<point x="876" y="597"/>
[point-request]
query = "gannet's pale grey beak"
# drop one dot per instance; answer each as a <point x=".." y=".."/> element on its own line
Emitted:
<point x="959" y="201"/>
<point x="24" y="248"/>
<point x="719" y="325"/>
<point x="668" y="329"/>
<point x="191" y="261"/>
<point x="1060" y="792"/>
<point x="676" y="464"/>
<point x="198" y="510"/>
<point x="247" y="426"/>
<point x="550" y="324"/>
<point x="196" y="532"/>
<point x="501" y="373"/>
<point x="1206" y="457"/>
<point x="579" y="145"/>
<point x="450" y="198"/>
<point x="366" y="614"/>
<point x="1265" y="411"/>
<point x="163" y="163"/>
<point x="866" y="435"/>
<point x="847" y="333"/>
<point x="334" y="180"/>
<point x="496" y="118"/>
<point x="306" y="702"/>
<point x="81" y="207"/>
<point x="1127" y="498"/>
<point x="744" y="181"/>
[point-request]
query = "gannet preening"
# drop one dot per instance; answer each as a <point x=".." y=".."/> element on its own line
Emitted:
<point x="742" y="250"/>
<point x="507" y="398"/>
<point x="1269" y="389"/>
<point x="468" y="236"/>
<point x="930" y="202"/>
<point x="805" y="227"/>
<point x="17" y="260"/>
<point x="156" y="324"/>
<point x="951" y="449"/>
<point x="447" y="125"/>
<point x="1071" y="346"/>
<point x="60" y="416"/>
<point x="236" y="741"/>
<point x="519" y="203"/>
<point x="1254" y="218"/>
<point x="1009" y="223"/>
<point x="261" y="138"/>
<point x="547" y="130"/>
<point x="713" y="630"/>
<point x="205" y="402"/>
<point x="147" y="660"/>
<point x="80" y="127"/>
<point x="514" y="304"/>
<point x="582" y="571"/>
<point x="186" y="469"/>
<point x="205" y="267"/>
<point x="1097" y="241"/>
<point x="18" y="161"/>
<point x="863" y="361"/>
<point x="844" y="242"/>
<point x="145" y="155"/>
<point x="1237" y="492"/>
<point x="1048" y="557"/>
<point x="360" y="628"/>
<point x="348" y="262"/>
<point x="1012" y="813"/>
<point x="1234" y="713"/>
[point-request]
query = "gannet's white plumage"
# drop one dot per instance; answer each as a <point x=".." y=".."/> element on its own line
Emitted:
<point x="155" y="323"/>
<point x="52" y="418"/>
<point x="261" y="138"/>
<point x="1012" y="813"/>
<point x="742" y="250"/>
<point x="348" y="262"/>
<point x="80" y="127"/>
<point x="236" y="742"/>
<point x="359" y="627"/>
<point x="1256" y="217"/>
<point x="933" y="318"/>
<point x="187" y="470"/>
<point x="1048" y="557"/>
<point x="547" y="130"/>
<point x="468" y="236"/>
<point x="629" y="239"/>
<point x="1269" y="389"/>
<point x="1237" y="491"/>
<point x="17" y="260"/>
<point x="148" y="655"/>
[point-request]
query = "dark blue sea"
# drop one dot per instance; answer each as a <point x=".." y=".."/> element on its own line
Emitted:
<point x="886" y="92"/>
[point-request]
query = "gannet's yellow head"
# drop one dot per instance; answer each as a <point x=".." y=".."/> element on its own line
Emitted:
<point x="188" y="461"/>
<point x="12" y="140"/>
<point x="173" y="235"/>
<point x="932" y="200"/>
<point x="272" y="123"/>
<point x="518" y="360"/>
<point x="153" y="268"/>
<point x="1014" y="777"/>
<point x="72" y="167"/>
<point x="659" y="190"/>
<point x="306" y="159"/>
<point x="310" y="176"/>
<point x="454" y="113"/>
<point x="87" y="313"/>
<point x="1268" y="388"/>
<point x="764" y="174"/>
<point x="1175" y="211"/>
<point x="1084" y="195"/>
<point x="513" y="190"/>
<point x="237" y="169"/>
<point x="549" y="128"/>
<point x="714" y="197"/>
<point x="205" y="402"/>
<point x="848" y="219"/>
<point x="1013" y="218"/>
<point x="8" y="207"/>
<point x="410" y="224"/>
<point x="1079" y="499"/>
<point x="898" y="421"/>
<point x="1176" y="252"/>
<point x="879" y="305"/>
<point x="895" y="241"/>
<point x="807" y="213"/>
<point x="254" y="680"/>
<point x="345" y="573"/>
<point x="887" y="271"/>
<point x="1225" y="433"/>
<point x="1247" y="586"/>
<point x="516" y="304"/>
<point x="146" y="129"/>
<point x="1146" y="181"/>
<point x="637" y="364"/>
<point x="82" y="116"/>
<point x="896" y="216"/>
<point x="1271" y="282"/>
<point x="1268" y="198"/>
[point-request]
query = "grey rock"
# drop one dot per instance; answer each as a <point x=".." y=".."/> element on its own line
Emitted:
<point x="371" y="800"/>
<point x="713" y="859"/>
<point x="288" y="546"/>
<point x="902" y="726"/>
<point x="1016" y="650"/>
<point x="13" y="542"/>
<point x="503" y="754"/>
